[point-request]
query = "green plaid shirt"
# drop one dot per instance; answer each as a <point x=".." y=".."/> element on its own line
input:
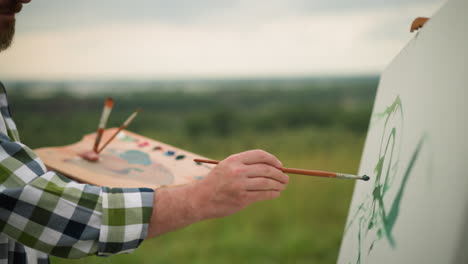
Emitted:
<point x="44" y="213"/>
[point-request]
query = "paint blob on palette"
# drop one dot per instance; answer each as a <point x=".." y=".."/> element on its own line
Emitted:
<point x="131" y="163"/>
<point x="130" y="160"/>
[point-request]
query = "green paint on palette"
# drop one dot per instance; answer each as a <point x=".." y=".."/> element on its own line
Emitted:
<point x="127" y="170"/>
<point x="136" y="157"/>
<point x="203" y="164"/>
<point x="128" y="138"/>
<point x="180" y="157"/>
<point x="198" y="177"/>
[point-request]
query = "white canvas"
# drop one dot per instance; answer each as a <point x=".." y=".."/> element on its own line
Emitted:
<point x="414" y="209"/>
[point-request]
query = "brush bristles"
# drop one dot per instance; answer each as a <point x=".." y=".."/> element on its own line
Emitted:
<point x="109" y="102"/>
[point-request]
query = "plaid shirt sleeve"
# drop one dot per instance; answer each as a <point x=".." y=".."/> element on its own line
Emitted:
<point x="50" y="213"/>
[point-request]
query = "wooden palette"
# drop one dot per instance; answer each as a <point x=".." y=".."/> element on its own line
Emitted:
<point x="130" y="160"/>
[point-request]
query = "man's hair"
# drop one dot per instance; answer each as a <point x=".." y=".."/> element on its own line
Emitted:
<point x="6" y="37"/>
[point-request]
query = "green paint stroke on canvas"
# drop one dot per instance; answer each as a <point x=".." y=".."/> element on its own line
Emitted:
<point x="371" y="214"/>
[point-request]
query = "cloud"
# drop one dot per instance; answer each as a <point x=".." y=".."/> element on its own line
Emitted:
<point x="59" y="14"/>
<point x="223" y="44"/>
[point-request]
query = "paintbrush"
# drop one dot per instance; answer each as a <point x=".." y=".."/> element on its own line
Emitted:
<point x="93" y="155"/>
<point x="102" y="123"/>
<point x="122" y="127"/>
<point x="306" y="172"/>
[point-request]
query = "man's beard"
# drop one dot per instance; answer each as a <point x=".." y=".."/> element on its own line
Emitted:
<point x="6" y="34"/>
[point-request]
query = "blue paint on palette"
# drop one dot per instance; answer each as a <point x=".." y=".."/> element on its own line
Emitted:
<point x="169" y="153"/>
<point x="198" y="177"/>
<point x="136" y="157"/>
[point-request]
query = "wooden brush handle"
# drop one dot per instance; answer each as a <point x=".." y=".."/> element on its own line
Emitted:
<point x="286" y="170"/>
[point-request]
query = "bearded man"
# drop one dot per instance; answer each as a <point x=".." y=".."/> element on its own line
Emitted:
<point x="43" y="213"/>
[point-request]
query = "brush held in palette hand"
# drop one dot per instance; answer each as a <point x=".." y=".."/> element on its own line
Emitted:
<point x="92" y="155"/>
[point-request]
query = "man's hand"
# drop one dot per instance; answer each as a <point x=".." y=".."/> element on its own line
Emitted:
<point x="238" y="181"/>
<point x="233" y="184"/>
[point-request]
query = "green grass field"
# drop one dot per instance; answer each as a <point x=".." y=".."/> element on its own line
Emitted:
<point x="306" y="128"/>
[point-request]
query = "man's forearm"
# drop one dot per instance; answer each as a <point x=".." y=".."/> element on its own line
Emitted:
<point x="173" y="209"/>
<point x="235" y="183"/>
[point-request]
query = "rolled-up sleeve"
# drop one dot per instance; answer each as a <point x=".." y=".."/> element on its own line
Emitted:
<point x="53" y="214"/>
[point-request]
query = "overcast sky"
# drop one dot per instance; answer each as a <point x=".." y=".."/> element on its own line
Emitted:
<point x="159" y="39"/>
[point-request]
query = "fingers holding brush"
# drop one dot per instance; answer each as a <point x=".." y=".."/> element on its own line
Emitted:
<point x="264" y="184"/>
<point x="266" y="171"/>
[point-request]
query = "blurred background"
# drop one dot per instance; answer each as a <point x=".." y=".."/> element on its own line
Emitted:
<point x="294" y="77"/>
